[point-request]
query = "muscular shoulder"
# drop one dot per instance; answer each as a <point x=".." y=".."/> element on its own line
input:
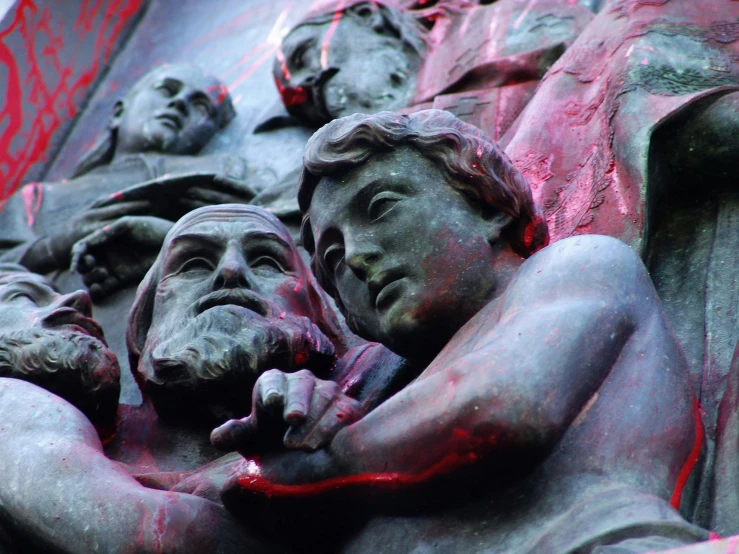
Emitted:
<point x="584" y="267"/>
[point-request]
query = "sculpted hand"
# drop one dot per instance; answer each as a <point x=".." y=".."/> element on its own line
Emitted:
<point x="118" y="254"/>
<point x="315" y="410"/>
<point x="54" y="251"/>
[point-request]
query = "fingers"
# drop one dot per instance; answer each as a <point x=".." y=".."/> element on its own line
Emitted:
<point x="330" y="411"/>
<point x="210" y="196"/>
<point x="120" y="209"/>
<point x="271" y="390"/>
<point x="300" y="387"/>
<point x="233" y="434"/>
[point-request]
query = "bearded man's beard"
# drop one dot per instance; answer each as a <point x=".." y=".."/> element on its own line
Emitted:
<point x="210" y="366"/>
<point x="77" y="367"/>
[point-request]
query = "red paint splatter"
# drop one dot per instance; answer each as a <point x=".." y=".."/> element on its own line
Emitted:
<point x="331" y="29"/>
<point x="301" y="358"/>
<point x="222" y="91"/>
<point x="50" y="105"/>
<point x="713" y="536"/>
<point x="692" y="458"/>
<point x="299" y="285"/>
<point x="381" y="481"/>
<point x="291" y="96"/>
<point x="283" y="64"/>
<point x="33" y="195"/>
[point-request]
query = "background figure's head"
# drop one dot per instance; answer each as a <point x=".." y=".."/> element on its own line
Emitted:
<point x="360" y="57"/>
<point x="424" y="183"/>
<point x="50" y="339"/>
<point x="228" y="297"/>
<point x="173" y="109"/>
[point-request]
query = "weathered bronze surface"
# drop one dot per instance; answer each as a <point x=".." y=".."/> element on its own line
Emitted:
<point x="511" y="325"/>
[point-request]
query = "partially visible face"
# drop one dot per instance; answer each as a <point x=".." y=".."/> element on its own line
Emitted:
<point x="409" y="255"/>
<point x="51" y="340"/>
<point x="173" y="110"/>
<point x="375" y="71"/>
<point x="29" y="302"/>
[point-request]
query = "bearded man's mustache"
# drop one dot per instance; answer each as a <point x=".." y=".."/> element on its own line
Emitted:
<point x="79" y="368"/>
<point x="217" y="357"/>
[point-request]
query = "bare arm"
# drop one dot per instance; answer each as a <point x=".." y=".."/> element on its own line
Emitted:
<point x="514" y="386"/>
<point x="59" y="488"/>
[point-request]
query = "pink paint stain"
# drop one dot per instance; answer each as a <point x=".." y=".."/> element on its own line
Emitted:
<point x="33" y="195"/>
<point x="299" y="285"/>
<point x="693" y="458"/>
<point x="331" y="29"/>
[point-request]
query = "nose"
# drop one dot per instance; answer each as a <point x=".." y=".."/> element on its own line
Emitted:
<point x="179" y="103"/>
<point x="360" y="256"/>
<point x="233" y="272"/>
<point x="78" y="300"/>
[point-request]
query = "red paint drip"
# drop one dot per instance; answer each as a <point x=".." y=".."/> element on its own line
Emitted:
<point x="33" y="195"/>
<point x="331" y="29"/>
<point x="291" y="96"/>
<point x="693" y="458"/>
<point x="222" y="92"/>
<point x="283" y="64"/>
<point x="299" y="285"/>
<point x="380" y="481"/>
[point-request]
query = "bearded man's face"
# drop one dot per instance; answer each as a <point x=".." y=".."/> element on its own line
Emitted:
<point x="231" y="304"/>
<point x="50" y="339"/>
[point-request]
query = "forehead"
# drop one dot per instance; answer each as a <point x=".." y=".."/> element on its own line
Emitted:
<point x="222" y="231"/>
<point x="189" y="76"/>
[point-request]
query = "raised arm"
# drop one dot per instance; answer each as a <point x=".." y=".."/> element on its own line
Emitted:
<point x="60" y="490"/>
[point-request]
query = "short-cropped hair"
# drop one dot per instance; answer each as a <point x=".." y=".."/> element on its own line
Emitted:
<point x="476" y="166"/>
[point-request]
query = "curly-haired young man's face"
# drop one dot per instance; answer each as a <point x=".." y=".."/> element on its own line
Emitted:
<point x="410" y="257"/>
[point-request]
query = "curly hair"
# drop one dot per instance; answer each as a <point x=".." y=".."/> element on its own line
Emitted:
<point x="476" y="167"/>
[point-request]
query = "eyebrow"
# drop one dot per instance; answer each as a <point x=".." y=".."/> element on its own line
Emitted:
<point x="202" y="240"/>
<point x="270" y="236"/>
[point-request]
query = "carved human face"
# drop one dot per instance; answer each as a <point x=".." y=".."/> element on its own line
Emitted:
<point x="409" y="255"/>
<point x="233" y="301"/>
<point x="28" y="301"/>
<point x="209" y="259"/>
<point x="171" y="110"/>
<point x="51" y="340"/>
<point x="358" y="65"/>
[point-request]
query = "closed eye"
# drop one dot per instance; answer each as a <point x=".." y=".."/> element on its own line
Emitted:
<point x="333" y="256"/>
<point x="196" y="265"/>
<point x="267" y="263"/>
<point x="381" y="204"/>
<point x="21" y="298"/>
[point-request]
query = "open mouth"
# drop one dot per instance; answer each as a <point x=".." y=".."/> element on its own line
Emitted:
<point x="171" y="120"/>
<point x="236" y="297"/>
<point x="71" y="320"/>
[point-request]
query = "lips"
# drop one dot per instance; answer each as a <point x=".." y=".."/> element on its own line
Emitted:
<point x="380" y="286"/>
<point x="236" y="297"/>
<point x="69" y="319"/>
<point x="171" y="119"/>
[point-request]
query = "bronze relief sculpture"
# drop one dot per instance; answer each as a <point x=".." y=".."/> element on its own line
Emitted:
<point x="524" y="391"/>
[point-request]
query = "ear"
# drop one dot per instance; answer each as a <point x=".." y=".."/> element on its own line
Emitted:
<point x="118" y="109"/>
<point x="496" y="222"/>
